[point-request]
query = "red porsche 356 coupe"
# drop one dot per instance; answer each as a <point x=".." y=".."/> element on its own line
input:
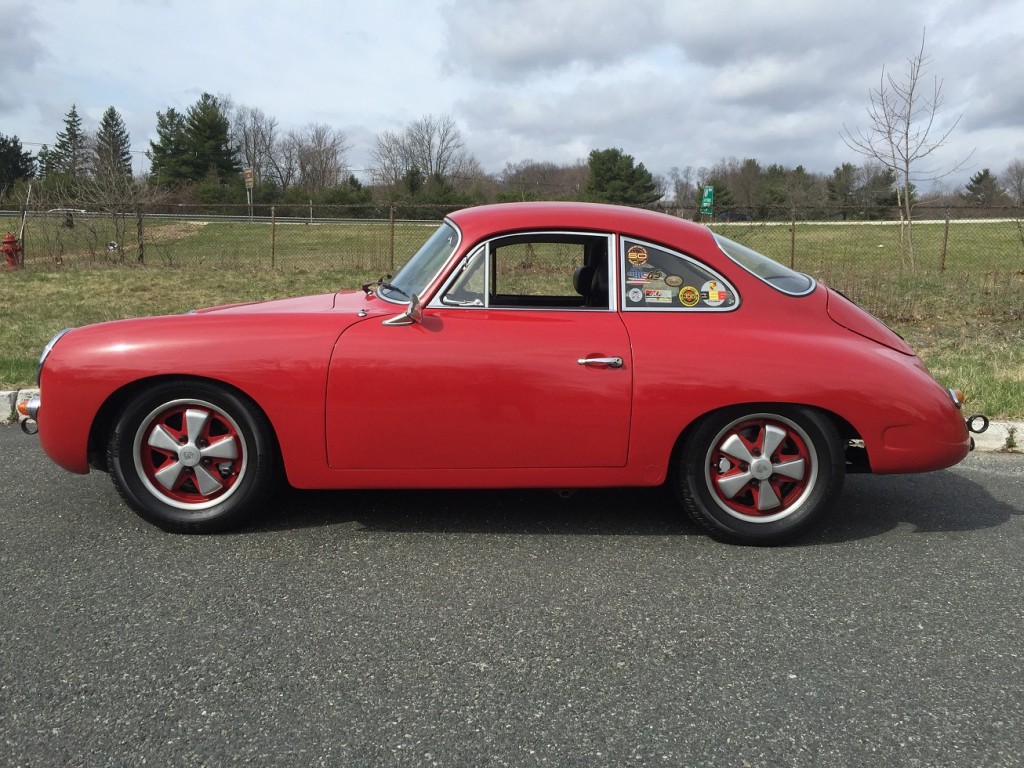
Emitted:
<point x="555" y="345"/>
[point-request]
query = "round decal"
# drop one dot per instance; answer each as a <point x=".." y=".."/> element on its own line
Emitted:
<point x="637" y="255"/>
<point x="713" y="295"/>
<point x="635" y="294"/>
<point x="673" y="281"/>
<point x="689" y="296"/>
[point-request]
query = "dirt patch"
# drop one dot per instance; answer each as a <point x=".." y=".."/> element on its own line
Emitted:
<point x="177" y="230"/>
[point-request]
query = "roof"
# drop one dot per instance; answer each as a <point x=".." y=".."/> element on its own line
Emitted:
<point x="510" y="217"/>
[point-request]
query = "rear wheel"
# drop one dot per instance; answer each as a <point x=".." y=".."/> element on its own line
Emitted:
<point x="761" y="476"/>
<point x="192" y="457"/>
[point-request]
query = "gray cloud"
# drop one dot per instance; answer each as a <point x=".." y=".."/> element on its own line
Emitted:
<point x="681" y="83"/>
<point x="20" y="53"/>
<point x="672" y="82"/>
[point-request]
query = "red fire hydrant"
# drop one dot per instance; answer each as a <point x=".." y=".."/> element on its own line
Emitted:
<point x="11" y="249"/>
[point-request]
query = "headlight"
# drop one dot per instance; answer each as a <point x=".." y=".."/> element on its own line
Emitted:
<point x="956" y="396"/>
<point x="46" y="351"/>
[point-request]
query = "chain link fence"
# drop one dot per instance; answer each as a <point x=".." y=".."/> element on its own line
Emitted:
<point x="949" y="255"/>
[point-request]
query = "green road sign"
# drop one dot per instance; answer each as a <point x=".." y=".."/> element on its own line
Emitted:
<point x="707" y="201"/>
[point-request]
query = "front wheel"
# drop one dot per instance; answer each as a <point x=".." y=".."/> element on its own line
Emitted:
<point x="192" y="457"/>
<point x="761" y="476"/>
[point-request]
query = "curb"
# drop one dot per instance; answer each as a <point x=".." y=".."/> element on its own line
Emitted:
<point x="991" y="440"/>
<point x="994" y="438"/>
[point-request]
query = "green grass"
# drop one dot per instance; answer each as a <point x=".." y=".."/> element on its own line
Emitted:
<point x="961" y="307"/>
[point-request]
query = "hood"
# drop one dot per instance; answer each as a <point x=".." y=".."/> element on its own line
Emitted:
<point x="847" y="314"/>
<point x="348" y="301"/>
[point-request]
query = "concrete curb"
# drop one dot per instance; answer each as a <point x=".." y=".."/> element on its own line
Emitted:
<point x="993" y="439"/>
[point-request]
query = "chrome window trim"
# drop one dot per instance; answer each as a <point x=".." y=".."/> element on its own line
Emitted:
<point x="626" y="307"/>
<point x="807" y="292"/>
<point x="444" y="265"/>
<point x="437" y="301"/>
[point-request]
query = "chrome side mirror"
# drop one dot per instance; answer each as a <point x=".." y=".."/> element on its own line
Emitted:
<point x="413" y="313"/>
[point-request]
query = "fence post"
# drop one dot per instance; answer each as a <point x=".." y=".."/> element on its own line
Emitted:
<point x="140" y="235"/>
<point x="391" y="236"/>
<point x="945" y="240"/>
<point x="792" y="241"/>
<point x="273" y="236"/>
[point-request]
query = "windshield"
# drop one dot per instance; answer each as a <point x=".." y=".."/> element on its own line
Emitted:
<point x="422" y="268"/>
<point x="777" y="276"/>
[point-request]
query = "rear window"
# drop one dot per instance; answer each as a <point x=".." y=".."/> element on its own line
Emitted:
<point x="776" y="275"/>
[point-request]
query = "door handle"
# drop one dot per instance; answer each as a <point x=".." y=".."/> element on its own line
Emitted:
<point x="610" y="362"/>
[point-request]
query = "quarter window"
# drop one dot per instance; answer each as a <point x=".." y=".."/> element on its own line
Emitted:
<point x="656" y="278"/>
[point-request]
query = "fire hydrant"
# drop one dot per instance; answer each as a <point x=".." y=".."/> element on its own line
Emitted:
<point x="11" y="249"/>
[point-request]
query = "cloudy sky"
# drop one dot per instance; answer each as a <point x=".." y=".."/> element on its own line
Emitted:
<point x="671" y="82"/>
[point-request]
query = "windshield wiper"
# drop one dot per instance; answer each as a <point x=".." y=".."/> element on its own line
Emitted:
<point x="368" y="287"/>
<point x="395" y="288"/>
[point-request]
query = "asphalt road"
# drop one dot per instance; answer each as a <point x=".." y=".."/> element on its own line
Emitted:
<point x="511" y="629"/>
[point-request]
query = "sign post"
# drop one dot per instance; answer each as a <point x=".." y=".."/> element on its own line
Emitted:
<point x="707" y="201"/>
<point x="250" y="179"/>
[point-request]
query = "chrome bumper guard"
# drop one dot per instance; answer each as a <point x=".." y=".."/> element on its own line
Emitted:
<point x="30" y="410"/>
<point x="976" y="424"/>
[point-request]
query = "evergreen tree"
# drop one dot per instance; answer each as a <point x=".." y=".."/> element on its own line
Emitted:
<point x="615" y="179"/>
<point x="773" y="191"/>
<point x="842" y="187"/>
<point x="42" y="161"/>
<point x="983" y="190"/>
<point x="207" y="144"/>
<point x="876" y="195"/>
<point x="69" y="156"/>
<point x="112" y="153"/>
<point x="15" y="163"/>
<point x="167" y="155"/>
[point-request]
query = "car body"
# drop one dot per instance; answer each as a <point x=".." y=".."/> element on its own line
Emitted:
<point x="558" y="345"/>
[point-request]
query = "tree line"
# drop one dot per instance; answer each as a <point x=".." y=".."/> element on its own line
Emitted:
<point x="199" y="156"/>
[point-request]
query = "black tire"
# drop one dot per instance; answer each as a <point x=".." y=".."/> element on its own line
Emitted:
<point x="741" y="496"/>
<point x="193" y="457"/>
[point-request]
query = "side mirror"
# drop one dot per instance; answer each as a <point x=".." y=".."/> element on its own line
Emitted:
<point x="413" y="313"/>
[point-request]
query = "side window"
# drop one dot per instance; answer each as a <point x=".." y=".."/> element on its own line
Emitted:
<point x="657" y="278"/>
<point x="534" y="268"/>
<point x="469" y="287"/>
<point x="542" y="270"/>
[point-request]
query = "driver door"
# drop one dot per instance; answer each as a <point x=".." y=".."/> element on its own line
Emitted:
<point x="485" y="382"/>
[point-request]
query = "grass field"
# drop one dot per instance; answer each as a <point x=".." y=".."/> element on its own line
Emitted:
<point x="962" y="307"/>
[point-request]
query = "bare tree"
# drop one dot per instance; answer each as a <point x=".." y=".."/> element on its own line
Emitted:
<point x="530" y="180"/>
<point x="684" y="186"/>
<point x="283" y="165"/>
<point x="431" y="147"/>
<point x="436" y="146"/>
<point x="900" y="135"/>
<point x="322" y="154"/>
<point x="390" y="160"/>
<point x="254" y="134"/>
<point x="1013" y="180"/>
